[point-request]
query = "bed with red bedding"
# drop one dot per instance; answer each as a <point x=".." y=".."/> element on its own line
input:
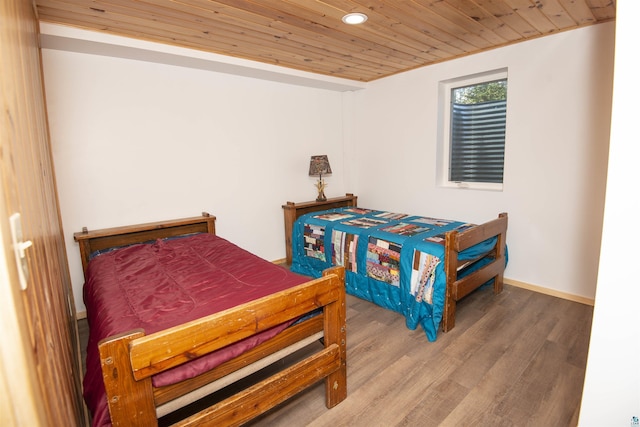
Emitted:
<point x="207" y="308"/>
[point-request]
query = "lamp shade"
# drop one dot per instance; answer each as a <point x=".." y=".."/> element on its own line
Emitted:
<point x="319" y="165"/>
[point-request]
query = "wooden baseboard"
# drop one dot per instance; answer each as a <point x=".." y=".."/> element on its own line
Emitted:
<point x="552" y="292"/>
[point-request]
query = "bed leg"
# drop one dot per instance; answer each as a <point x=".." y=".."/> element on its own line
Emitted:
<point x="497" y="284"/>
<point x="335" y="333"/>
<point x="449" y="314"/>
<point x="501" y="252"/>
<point x="130" y="401"/>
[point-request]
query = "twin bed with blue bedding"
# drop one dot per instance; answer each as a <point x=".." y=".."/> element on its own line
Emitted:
<point x="415" y="265"/>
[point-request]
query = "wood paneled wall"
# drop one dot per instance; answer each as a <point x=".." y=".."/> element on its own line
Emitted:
<point x="41" y="373"/>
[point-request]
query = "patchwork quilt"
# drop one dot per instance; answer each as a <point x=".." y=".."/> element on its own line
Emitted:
<point x="391" y="259"/>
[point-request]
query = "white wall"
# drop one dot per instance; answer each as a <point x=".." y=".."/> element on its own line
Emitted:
<point x="559" y="100"/>
<point x="136" y="141"/>
<point x="612" y="383"/>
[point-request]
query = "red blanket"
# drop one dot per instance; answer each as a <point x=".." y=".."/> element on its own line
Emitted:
<point x="162" y="284"/>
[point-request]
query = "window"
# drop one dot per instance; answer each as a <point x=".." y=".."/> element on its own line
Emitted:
<point x="473" y="129"/>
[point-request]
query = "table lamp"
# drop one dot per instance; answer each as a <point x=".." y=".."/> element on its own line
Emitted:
<point x="320" y="165"/>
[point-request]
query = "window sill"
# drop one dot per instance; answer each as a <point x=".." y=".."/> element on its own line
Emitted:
<point x="473" y="186"/>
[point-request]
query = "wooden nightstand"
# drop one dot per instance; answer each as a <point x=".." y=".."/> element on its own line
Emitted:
<point x="293" y="211"/>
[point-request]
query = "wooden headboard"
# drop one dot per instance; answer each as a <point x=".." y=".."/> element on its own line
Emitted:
<point x="95" y="240"/>
<point x="292" y="211"/>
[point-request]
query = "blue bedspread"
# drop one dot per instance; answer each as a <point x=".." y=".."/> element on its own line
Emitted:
<point x="393" y="260"/>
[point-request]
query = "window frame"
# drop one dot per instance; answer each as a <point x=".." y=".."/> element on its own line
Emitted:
<point x="445" y="89"/>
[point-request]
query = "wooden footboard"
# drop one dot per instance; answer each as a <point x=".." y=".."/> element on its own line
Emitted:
<point x="455" y="243"/>
<point x="129" y="360"/>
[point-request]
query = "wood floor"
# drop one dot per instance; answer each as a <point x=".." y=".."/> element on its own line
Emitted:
<point x="515" y="359"/>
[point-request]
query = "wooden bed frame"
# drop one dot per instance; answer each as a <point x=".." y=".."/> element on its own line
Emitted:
<point x="130" y="359"/>
<point x="455" y="242"/>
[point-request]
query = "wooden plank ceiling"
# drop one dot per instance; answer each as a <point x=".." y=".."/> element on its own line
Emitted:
<point x="309" y="35"/>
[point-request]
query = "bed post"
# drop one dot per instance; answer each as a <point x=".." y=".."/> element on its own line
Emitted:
<point x="335" y="333"/>
<point x="85" y="249"/>
<point x="130" y="401"/>
<point x="451" y="272"/>
<point x="501" y="245"/>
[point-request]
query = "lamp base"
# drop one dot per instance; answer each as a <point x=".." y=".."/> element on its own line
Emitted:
<point x="320" y="186"/>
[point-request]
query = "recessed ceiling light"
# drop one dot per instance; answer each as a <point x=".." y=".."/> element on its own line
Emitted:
<point x="354" y="18"/>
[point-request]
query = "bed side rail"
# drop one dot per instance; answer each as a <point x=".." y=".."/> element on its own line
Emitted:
<point x="129" y="360"/>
